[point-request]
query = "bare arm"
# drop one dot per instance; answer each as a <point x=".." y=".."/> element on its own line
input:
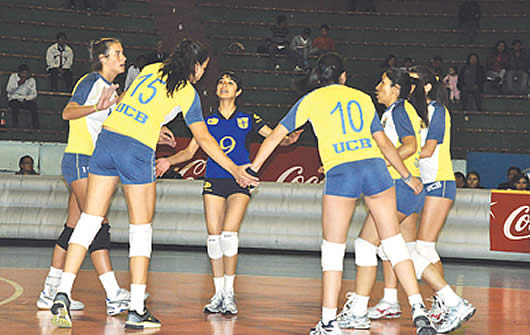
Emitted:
<point x="289" y="139"/>
<point x="408" y="147"/>
<point x="428" y="149"/>
<point x="163" y="164"/>
<point x="268" y="146"/>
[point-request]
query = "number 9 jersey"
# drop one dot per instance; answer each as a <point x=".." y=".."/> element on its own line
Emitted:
<point x="343" y="119"/>
<point x="146" y="107"/>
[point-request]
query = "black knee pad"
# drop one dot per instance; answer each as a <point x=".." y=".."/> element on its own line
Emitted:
<point x="63" y="239"/>
<point x="102" y="239"/>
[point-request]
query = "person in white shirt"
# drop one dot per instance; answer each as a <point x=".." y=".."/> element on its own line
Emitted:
<point x="21" y="94"/>
<point x="299" y="50"/>
<point x="59" y="60"/>
<point x="134" y="70"/>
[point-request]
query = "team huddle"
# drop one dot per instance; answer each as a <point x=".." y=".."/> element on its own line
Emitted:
<point x="400" y="163"/>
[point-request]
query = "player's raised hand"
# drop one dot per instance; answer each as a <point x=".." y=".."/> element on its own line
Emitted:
<point x="107" y="98"/>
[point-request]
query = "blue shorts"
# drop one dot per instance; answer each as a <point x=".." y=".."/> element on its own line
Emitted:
<point x="408" y="202"/>
<point x="350" y="180"/>
<point x="442" y="189"/>
<point x="74" y="167"/>
<point x="123" y="156"/>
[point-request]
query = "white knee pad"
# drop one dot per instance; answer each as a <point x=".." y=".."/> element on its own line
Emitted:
<point x="140" y="240"/>
<point x="213" y="246"/>
<point x="365" y="253"/>
<point x="332" y="257"/>
<point x="420" y="263"/>
<point x="428" y="250"/>
<point x="229" y="243"/>
<point x="381" y="253"/>
<point x="86" y="229"/>
<point x="395" y="249"/>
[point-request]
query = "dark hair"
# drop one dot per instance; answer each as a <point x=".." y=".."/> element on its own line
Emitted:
<point x="460" y="174"/>
<point x="387" y="59"/>
<point x="328" y="69"/>
<point x="234" y="77"/>
<point x="61" y="34"/>
<point x="438" y="58"/>
<point x="180" y="65"/>
<point x="22" y="68"/>
<point x="324" y="26"/>
<point x="439" y="90"/>
<point x="499" y="43"/>
<point x="468" y="61"/>
<point x="100" y="47"/>
<point x="24" y="157"/>
<point x="416" y="97"/>
<point x="514" y="42"/>
<point x="455" y="67"/>
<point x="512" y="168"/>
<point x="306" y="31"/>
<point x="281" y="19"/>
<point x="475" y="173"/>
<point x="518" y="177"/>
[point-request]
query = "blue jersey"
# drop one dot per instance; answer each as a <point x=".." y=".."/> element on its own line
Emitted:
<point x="233" y="135"/>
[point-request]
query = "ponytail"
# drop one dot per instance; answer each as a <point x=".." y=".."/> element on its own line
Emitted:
<point x="327" y="71"/>
<point x="439" y="89"/>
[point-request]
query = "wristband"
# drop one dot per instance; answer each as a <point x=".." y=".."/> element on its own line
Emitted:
<point x="251" y="172"/>
<point x="408" y="178"/>
<point x="96" y="108"/>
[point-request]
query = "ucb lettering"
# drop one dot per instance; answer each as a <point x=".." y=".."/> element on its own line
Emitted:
<point x="132" y="113"/>
<point x="352" y="145"/>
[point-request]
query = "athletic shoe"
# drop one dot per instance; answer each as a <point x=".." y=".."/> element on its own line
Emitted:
<point x="438" y="310"/>
<point x="332" y="328"/>
<point x="384" y="309"/>
<point x="421" y="321"/>
<point x="455" y="315"/>
<point x="61" y="311"/>
<point x="229" y="304"/>
<point x="47" y="295"/>
<point x="346" y="318"/>
<point x="120" y="303"/>
<point x="215" y="304"/>
<point x="141" y="321"/>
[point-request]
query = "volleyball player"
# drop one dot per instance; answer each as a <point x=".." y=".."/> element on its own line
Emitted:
<point x="92" y="100"/>
<point x="125" y="151"/>
<point x="402" y="124"/>
<point x="353" y="147"/>
<point x="225" y="202"/>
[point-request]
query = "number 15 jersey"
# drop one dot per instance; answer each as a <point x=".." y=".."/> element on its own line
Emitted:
<point x="343" y="119"/>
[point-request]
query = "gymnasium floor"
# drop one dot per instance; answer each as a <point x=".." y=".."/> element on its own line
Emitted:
<point x="276" y="294"/>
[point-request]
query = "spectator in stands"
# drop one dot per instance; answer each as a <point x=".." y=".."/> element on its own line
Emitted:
<point x="512" y="172"/>
<point x="299" y="50"/>
<point x="469" y="20"/>
<point x="75" y="4"/>
<point x="473" y="180"/>
<point x="460" y="180"/>
<point x="390" y="62"/>
<point x="408" y="62"/>
<point x="436" y="65"/>
<point x="159" y="55"/>
<point x="518" y="66"/>
<point x="496" y="67"/>
<point x="451" y="81"/>
<point x="59" y="60"/>
<point x="278" y="42"/>
<point x="363" y="5"/>
<point x="520" y="183"/>
<point x="323" y="43"/>
<point x="26" y="165"/>
<point x="134" y="70"/>
<point x="21" y="94"/>
<point x="470" y="81"/>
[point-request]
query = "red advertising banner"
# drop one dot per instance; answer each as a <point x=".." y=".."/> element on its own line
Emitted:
<point x="510" y="221"/>
<point x="290" y="164"/>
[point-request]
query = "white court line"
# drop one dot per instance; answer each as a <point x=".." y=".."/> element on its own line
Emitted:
<point x="18" y="291"/>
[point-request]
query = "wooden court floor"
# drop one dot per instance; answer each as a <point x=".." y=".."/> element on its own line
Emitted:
<point x="267" y="305"/>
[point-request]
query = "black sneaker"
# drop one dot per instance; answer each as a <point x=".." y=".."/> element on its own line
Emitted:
<point x="61" y="311"/>
<point x="141" y="321"/>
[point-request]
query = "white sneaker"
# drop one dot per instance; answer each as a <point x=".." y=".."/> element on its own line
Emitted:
<point x="229" y="304"/>
<point x="276" y="67"/>
<point x="215" y="304"/>
<point x="47" y="295"/>
<point x="421" y="321"/>
<point x="455" y="315"/>
<point x="438" y="310"/>
<point x="384" y="309"/>
<point x="298" y="69"/>
<point x="346" y="318"/>
<point x="332" y="328"/>
<point x="120" y="303"/>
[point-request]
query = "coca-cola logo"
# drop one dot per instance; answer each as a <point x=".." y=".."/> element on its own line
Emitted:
<point x="298" y="177"/>
<point x="519" y="221"/>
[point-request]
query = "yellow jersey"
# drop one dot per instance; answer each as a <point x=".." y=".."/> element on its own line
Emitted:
<point x="146" y="107"/>
<point x="400" y="120"/>
<point x="343" y="119"/>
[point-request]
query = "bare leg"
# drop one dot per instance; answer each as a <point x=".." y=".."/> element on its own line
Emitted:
<point x="236" y="207"/>
<point x="214" y="211"/>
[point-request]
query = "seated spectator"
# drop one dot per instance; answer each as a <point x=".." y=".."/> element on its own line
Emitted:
<point x="75" y="4"/>
<point x="59" y="60"/>
<point x="408" y="62"/>
<point x="520" y="183"/>
<point x="470" y="81"/>
<point x="299" y="50"/>
<point x="469" y="14"/>
<point x="460" y="180"/>
<point x="473" y="180"/>
<point x="512" y="172"/>
<point x="323" y="43"/>
<point x="134" y="70"/>
<point x="21" y="94"/>
<point x="451" y="81"/>
<point x="518" y="66"/>
<point x="159" y="55"/>
<point x="278" y="42"/>
<point x="436" y="65"/>
<point x="390" y="61"/>
<point x="26" y="166"/>
<point x="496" y="67"/>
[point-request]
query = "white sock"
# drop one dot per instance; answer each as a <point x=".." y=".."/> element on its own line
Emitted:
<point x="108" y="280"/>
<point x="328" y="315"/>
<point x="54" y="272"/>
<point x="360" y="307"/>
<point x="229" y="283"/>
<point x="448" y="296"/>
<point x="415" y="299"/>
<point x="390" y="295"/>
<point x="219" y="283"/>
<point x="137" y="298"/>
<point x="67" y="281"/>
